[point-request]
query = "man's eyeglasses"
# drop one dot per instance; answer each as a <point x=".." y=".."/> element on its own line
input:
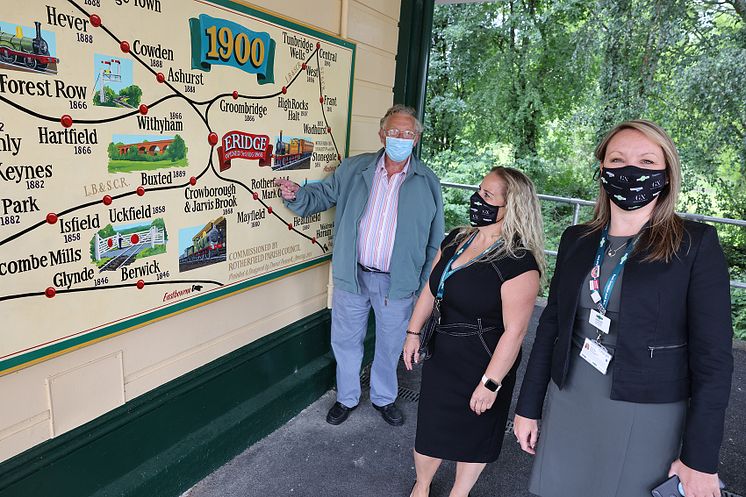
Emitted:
<point x="395" y="133"/>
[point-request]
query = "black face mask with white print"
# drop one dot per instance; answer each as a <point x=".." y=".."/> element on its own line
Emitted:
<point x="480" y="212"/>
<point x="632" y="187"/>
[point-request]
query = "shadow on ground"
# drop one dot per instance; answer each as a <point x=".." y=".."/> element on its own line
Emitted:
<point x="365" y="457"/>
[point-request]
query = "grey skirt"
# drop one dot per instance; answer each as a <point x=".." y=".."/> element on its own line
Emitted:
<point x="592" y="445"/>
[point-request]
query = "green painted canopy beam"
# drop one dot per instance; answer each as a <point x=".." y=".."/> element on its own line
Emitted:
<point x="415" y="35"/>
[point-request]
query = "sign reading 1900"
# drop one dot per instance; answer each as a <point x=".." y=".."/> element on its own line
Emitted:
<point x="139" y="143"/>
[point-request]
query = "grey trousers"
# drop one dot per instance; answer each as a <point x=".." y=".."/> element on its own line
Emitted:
<point x="349" y="323"/>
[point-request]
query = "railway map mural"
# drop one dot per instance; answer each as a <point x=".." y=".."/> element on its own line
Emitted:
<point x="139" y="143"/>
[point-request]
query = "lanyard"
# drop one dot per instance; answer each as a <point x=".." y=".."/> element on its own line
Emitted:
<point x="448" y="272"/>
<point x="602" y="301"/>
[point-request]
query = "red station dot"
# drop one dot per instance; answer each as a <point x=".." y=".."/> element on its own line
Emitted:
<point x="192" y="181"/>
<point x="140" y="284"/>
<point x="124" y="47"/>
<point x="95" y="20"/>
<point x="212" y="138"/>
<point x="160" y="77"/>
<point x="51" y="218"/>
<point x="135" y="239"/>
<point x="290" y="227"/>
<point x="255" y="195"/>
<point x="313" y="240"/>
<point x="318" y="44"/>
<point x="50" y="292"/>
<point x="107" y="200"/>
<point x="235" y="95"/>
<point x="303" y="66"/>
<point x="269" y="209"/>
<point x="329" y="129"/>
<point x="321" y="100"/>
<point x="284" y="90"/>
<point x="66" y="121"/>
<point x="143" y="109"/>
<point x="339" y="157"/>
<point x="140" y="191"/>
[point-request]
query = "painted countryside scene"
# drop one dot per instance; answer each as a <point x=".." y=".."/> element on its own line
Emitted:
<point x="130" y="153"/>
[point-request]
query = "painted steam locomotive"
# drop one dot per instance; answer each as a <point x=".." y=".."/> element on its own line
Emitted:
<point x="208" y="244"/>
<point x="287" y="154"/>
<point x="22" y="51"/>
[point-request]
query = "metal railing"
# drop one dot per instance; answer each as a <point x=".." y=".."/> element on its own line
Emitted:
<point x="578" y="203"/>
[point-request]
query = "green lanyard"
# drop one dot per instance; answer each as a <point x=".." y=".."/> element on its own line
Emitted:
<point x="603" y="301"/>
<point x="448" y="272"/>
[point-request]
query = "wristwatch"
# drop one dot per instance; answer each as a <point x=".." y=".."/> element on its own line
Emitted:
<point x="491" y="384"/>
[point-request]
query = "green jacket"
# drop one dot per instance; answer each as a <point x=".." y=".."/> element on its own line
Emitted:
<point x="419" y="228"/>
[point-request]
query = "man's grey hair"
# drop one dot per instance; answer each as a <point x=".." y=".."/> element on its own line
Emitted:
<point x="402" y="109"/>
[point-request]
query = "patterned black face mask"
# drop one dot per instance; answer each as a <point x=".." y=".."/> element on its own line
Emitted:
<point x="480" y="212"/>
<point x="632" y="187"/>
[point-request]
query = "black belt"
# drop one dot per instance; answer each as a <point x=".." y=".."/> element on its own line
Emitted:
<point x="371" y="269"/>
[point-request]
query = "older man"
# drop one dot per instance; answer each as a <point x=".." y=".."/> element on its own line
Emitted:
<point x="388" y="226"/>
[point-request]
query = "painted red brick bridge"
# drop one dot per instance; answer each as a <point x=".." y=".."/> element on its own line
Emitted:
<point x="157" y="147"/>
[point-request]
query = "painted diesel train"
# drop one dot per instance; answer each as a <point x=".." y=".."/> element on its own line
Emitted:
<point x="290" y="153"/>
<point x="22" y="51"/>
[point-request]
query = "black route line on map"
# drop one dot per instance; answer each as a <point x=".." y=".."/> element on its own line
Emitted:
<point x="146" y="66"/>
<point x="107" y="287"/>
<point x="194" y="104"/>
<point x="22" y="232"/>
<point x="321" y="94"/>
<point x="323" y="248"/>
<point x="82" y="121"/>
<point x="259" y="97"/>
<point x="94" y="202"/>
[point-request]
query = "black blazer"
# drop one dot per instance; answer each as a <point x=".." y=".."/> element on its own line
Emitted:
<point x="674" y="334"/>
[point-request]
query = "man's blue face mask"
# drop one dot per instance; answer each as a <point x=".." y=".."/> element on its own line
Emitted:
<point x="398" y="149"/>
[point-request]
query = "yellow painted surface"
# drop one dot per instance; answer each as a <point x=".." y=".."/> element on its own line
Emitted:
<point x="44" y="397"/>
<point x="373" y="28"/>
<point x="321" y="14"/>
<point x="374" y="66"/>
<point x="364" y="133"/>
<point x="368" y="98"/>
<point x="389" y="8"/>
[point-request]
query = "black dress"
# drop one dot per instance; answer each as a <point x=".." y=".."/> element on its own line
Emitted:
<point x="471" y="326"/>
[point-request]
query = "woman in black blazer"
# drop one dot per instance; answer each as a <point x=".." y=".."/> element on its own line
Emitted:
<point x="636" y="338"/>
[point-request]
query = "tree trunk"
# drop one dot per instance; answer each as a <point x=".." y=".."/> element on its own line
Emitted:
<point x="740" y="6"/>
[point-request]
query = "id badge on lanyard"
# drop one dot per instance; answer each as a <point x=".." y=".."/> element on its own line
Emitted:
<point x="599" y="321"/>
<point x="593" y="351"/>
<point x="596" y="355"/>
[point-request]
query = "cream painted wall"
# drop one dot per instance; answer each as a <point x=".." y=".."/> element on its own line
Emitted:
<point x="55" y="396"/>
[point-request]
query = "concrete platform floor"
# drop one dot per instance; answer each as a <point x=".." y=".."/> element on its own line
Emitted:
<point x="366" y="457"/>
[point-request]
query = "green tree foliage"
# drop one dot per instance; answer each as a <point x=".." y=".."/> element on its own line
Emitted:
<point x="159" y="223"/>
<point x="112" y="151"/>
<point x="177" y="150"/>
<point x="131" y="153"/>
<point x="110" y="96"/>
<point x="132" y="94"/>
<point x="535" y="84"/>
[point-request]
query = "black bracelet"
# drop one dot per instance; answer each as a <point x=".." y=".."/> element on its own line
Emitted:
<point x="412" y="333"/>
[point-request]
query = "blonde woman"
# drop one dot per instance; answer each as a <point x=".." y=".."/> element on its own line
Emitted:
<point x="634" y="345"/>
<point x="485" y="279"/>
